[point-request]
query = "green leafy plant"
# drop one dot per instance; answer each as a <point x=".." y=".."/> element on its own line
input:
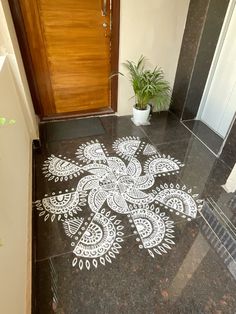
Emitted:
<point x="5" y="121"/>
<point x="149" y="85"/>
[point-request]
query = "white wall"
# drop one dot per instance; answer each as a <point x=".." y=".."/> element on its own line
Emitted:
<point x="153" y="28"/>
<point x="218" y="104"/>
<point x="9" y="46"/>
<point x="230" y="185"/>
<point x="15" y="174"/>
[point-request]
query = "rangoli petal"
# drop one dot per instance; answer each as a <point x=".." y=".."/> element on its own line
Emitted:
<point x="91" y="151"/>
<point x="134" y="168"/>
<point x="72" y="225"/>
<point x="162" y="165"/>
<point x="179" y="199"/>
<point x="59" y="169"/>
<point x="99" y="242"/>
<point x="144" y="182"/>
<point x="150" y="150"/>
<point x="136" y="196"/>
<point x="116" y="202"/>
<point x="100" y="170"/>
<point x="116" y="165"/>
<point x="96" y="199"/>
<point x="127" y="147"/>
<point x="154" y="229"/>
<point x="88" y="183"/>
<point x="60" y="205"/>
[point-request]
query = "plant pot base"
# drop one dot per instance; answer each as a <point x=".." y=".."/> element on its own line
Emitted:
<point x="141" y="117"/>
<point x="138" y="124"/>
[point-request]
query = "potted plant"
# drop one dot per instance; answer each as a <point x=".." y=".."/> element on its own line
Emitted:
<point x="150" y="89"/>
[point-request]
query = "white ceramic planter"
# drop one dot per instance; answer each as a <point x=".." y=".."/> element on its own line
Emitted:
<point x="141" y="117"/>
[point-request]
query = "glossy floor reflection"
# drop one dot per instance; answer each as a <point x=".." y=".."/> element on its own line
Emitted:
<point x="195" y="275"/>
<point x="205" y="134"/>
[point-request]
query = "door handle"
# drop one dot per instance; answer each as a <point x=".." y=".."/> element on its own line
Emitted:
<point x="104" y="7"/>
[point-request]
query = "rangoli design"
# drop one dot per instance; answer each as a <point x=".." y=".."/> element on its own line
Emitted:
<point x="111" y="184"/>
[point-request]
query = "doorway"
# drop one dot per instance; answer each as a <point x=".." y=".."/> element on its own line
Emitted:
<point x="69" y="49"/>
<point x="217" y="109"/>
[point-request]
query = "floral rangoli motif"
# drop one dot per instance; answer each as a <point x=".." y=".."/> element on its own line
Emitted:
<point x="116" y="183"/>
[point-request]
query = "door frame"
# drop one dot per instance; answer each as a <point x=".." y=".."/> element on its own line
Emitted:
<point x="38" y="97"/>
<point x="219" y="46"/>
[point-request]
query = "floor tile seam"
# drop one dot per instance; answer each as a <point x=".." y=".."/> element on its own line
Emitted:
<point x="147" y="136"/>
<point x="202" y="124"/>
<point x="163" y="143"/>
<point x="37" y="261"/>
<point x="172" y="126"/>
<point x="224" y="162"/>
<point x="143" y="131"/>
<point x="187" y="120"/>
<point x="172" y="142"/>
<point x="51" y="142"/>
<point x="182" y="181"/>
<point x="139" y="128"/>
<point x="52" y="256"/>
<point x="199" y="140"/>
<point x="43" y="122"/>
<point x="173" y="114"/>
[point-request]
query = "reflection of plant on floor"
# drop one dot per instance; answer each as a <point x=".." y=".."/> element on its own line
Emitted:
<point x="5" y="121"/>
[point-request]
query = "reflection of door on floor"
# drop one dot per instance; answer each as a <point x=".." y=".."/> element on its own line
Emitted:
<point x="218" y="106"/>
<point x="70" y="47"/>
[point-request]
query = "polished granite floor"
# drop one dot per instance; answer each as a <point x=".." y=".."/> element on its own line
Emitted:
<point x="156" y="249"/>
<point x="205" y="134"/>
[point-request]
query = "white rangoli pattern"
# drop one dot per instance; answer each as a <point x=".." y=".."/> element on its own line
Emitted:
<point x="59" y="169"/>
<point x="121" y="184"/>
<point x="161" y="165"/>
<point x="61" y="205"/>
<point x="179" y="199"/>
<point x="154" y="228"/>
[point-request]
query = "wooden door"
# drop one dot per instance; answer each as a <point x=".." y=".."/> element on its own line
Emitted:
<point x="69" y="46"/>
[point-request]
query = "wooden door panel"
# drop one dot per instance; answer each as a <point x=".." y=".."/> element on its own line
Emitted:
<point x="78" y="53"/>
<point x="93" y="87"/>
<point x="37" y="54"/>
<point x="61" y="67"/>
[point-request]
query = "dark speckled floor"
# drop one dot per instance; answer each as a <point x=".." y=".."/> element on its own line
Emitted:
<point x="195" y="275"/>
<point x="205" y="134"/>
